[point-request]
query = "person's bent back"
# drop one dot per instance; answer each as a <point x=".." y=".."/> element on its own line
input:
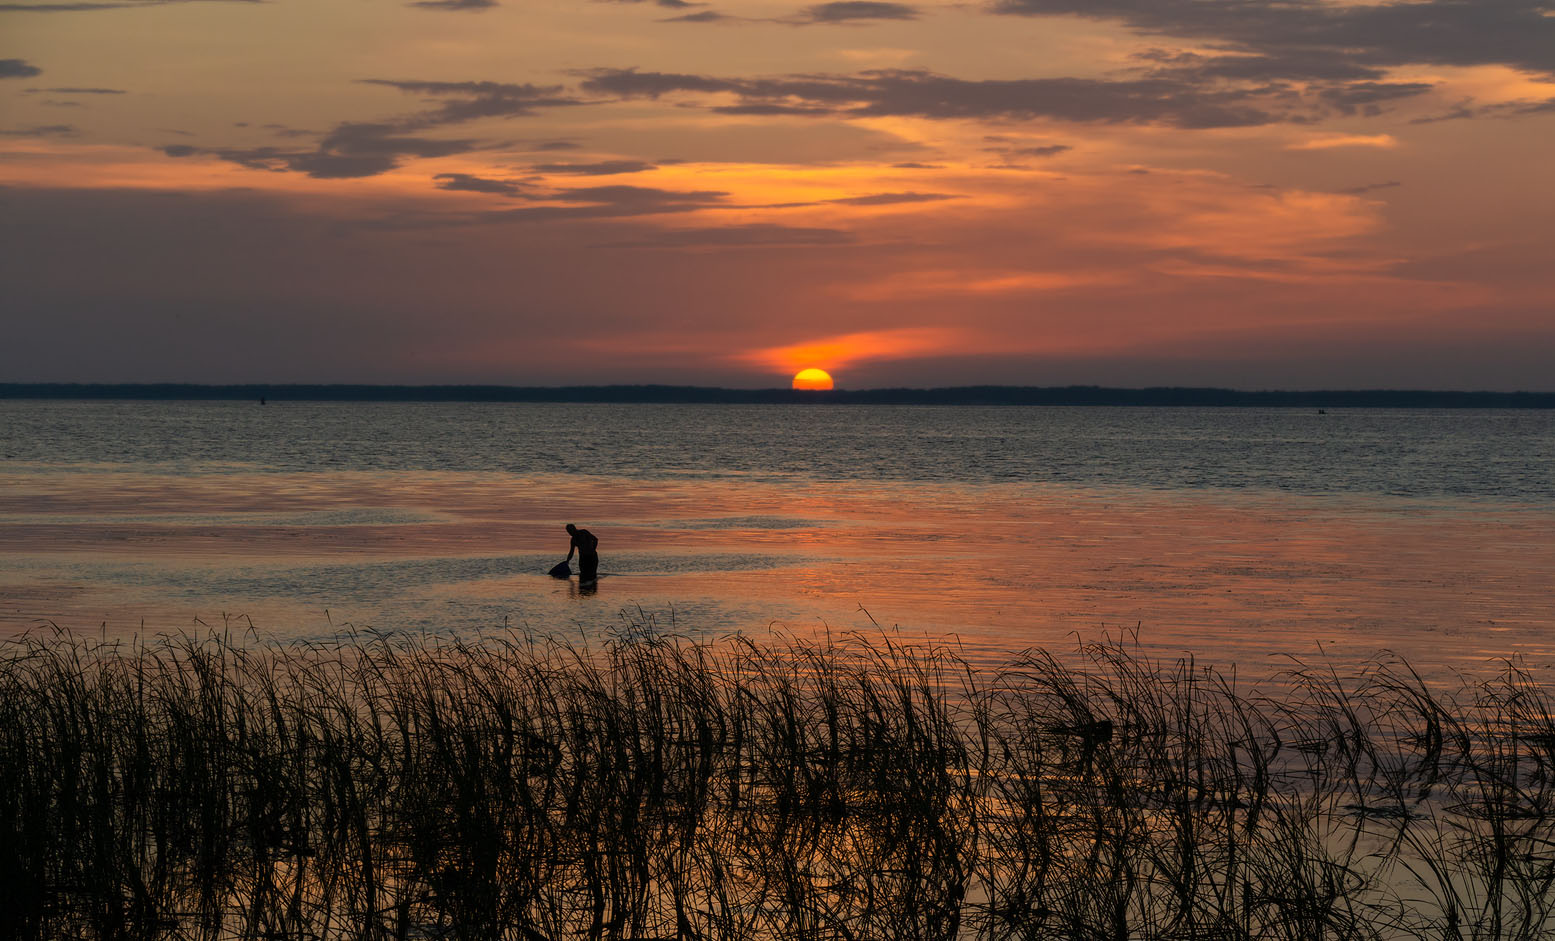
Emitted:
<point x="587" y="547"/>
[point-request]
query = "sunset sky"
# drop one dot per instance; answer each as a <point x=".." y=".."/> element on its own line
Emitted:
<point x="1304" y="194"/>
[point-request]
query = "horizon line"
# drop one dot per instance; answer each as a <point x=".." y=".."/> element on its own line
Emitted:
<point x="660" y="393"/>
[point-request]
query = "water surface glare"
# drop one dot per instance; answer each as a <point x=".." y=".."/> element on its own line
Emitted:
<point x="1232" y="533"/>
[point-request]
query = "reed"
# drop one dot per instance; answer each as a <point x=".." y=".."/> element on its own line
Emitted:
<point x="835" y="788"/>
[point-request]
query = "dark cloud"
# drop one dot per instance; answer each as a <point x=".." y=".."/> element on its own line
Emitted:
<point x="366" y="139"/>
<point x="705" y="16"/>
<point x="467" y="101"/>
<point x="856" y="11"/>
<point x="672" y="4"/>
<point x="1500" y="109"/>
<point x="848" y="13"/>
<point x="872" y="199"/>
<point x="455" y="4"/>
<point x="18" y="68"/>
<point x="1009" y="149"/>
<point x="1367" y="98"/>
<point x="917" y="93"/>
<point x="1370" y="187"/>
<point x="759" y="234"/>
<point x="602" y="168"/>
<point x="611" y="202"/>
<point x="766" y="110"/>
<point x="1177" y="95"/>
<point x="327" y="166"/>
<point x="552" y="145"/>
<point x="639" y="196"/>
<point x="1516" y="33"/>
<point x="42" y="130"/>
<point x="1459" y="111"/>
<point x="347" y="152"/>
<point x="892" y="199"/>
<point x="362" y="148"/>
<point x="318" y="164"/>
<point x="631" y="83"/>
<point x="1286" y="65"/>
<point x="76" y="91"/>
<point x="573" y="203"/>
<point x="464" y="182"/>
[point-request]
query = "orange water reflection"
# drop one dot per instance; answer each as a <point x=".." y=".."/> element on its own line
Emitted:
<point x="1227" y="577"/>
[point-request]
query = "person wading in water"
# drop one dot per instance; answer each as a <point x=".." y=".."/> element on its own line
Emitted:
<point x="587" y="547"/>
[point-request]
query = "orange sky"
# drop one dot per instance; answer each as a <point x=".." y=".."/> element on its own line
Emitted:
<point x="1185" y="192"/>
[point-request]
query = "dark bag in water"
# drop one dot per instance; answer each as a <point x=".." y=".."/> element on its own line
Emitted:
<point x="562" y="570"/>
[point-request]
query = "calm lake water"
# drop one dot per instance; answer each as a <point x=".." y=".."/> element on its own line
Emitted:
<point x="1234" y="534"/>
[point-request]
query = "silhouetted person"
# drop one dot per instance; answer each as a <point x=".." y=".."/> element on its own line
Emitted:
<point x="587" y="547"/>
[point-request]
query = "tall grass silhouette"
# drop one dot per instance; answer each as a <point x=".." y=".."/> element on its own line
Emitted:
<point x="854" y="788"/>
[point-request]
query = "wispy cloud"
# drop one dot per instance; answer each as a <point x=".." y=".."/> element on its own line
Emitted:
<point x="351" y="150"/>
<point x="608" y="202"/>
<point x="1370" y="187"/>
<point x="599" y="168"/>
<point x="703" y="16"/>
<point x="967" y="282"/>
<point x="42" y="130"/>
<point x="1332" y="141"/>
<point x="464" y="182"/>
<point x="848" y="349"/>
<point x="757" y="235"/>
<point x="891" y="199"/>
<point x="355" y="149"/>
<point x="76" y="91"/>
<point x="467" y="101"/>
<point x="455" y="5"/>
<point x="672" y="4"/>
<point x="854" y="12"/>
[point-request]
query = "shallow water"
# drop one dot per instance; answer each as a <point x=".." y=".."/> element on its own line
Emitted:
<point x="1233" y="534"/>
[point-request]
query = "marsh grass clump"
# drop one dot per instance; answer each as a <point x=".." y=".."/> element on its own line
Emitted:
<point x="853" y="788"/>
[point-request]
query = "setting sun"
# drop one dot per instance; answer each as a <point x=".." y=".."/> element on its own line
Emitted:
<point x="812" y="379"/>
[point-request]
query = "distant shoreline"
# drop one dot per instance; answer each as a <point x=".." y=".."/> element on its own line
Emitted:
<point x="665" y="394"/>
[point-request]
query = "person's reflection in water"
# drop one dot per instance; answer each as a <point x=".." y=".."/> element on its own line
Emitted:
<point x="587" y="547"/>
<point x="582" y="589"/>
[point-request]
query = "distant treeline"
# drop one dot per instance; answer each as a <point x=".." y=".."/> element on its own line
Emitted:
<point x="960" y="395"/>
